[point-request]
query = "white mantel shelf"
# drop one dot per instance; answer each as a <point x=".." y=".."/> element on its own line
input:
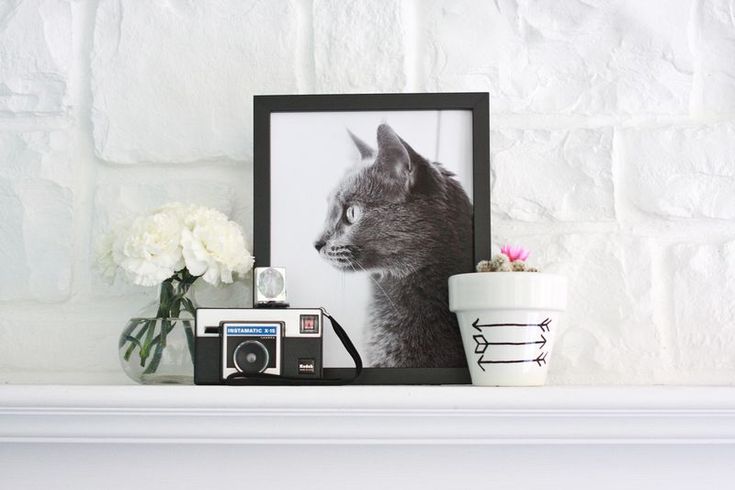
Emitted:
<point x="420" y="415"/>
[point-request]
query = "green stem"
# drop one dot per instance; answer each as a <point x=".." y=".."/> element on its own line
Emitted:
<point x="132" y="325"/>
<point x="172" y="300"/>
<point x="127" y="334"/>
<point x="160" y="341"/>
<point x="147" y="344"/>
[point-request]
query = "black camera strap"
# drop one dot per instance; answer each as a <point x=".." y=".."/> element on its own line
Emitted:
<point x="261" y="379"/>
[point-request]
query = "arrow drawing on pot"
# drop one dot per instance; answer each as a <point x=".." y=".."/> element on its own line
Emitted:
<point x="481" y="343"/>
<point x="544" y="325"/>
<point x="541" y="359"/>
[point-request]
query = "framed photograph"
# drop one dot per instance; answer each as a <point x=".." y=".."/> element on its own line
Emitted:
<point x="371" y="202"/>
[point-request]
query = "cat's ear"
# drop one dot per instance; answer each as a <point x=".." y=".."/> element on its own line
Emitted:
<point x="366" y="152"/>
<point x="403" y="163"/>
<point x="392" y="154"/>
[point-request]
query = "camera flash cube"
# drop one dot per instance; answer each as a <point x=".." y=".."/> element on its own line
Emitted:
<point x="270" y="285"/>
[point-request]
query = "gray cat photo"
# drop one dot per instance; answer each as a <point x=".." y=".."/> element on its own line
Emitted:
<point x="405" y="223"/>
<point x="370" y="212"/>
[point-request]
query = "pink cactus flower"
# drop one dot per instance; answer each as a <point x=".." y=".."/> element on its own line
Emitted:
<point x="514" y="253"/>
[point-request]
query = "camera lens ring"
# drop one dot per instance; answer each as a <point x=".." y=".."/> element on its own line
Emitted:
<point x="250" y="343"/>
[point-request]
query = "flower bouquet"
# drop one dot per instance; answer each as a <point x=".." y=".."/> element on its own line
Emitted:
<point x="172" y="247"/>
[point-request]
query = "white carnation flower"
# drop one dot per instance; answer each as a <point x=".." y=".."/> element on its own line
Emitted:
<point x="153" y="248"/>
<point x="214" y="247"/>
<point x="106" y="260"/>
<point x="150" y="252"/>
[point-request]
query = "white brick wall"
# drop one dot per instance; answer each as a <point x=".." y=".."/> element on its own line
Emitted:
<point x="613" y="146"/>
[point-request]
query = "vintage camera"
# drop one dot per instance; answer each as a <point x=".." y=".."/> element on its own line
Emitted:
<point x="237" y="344"/>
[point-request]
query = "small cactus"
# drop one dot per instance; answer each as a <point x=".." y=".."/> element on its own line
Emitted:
<point x="512" y="259"/>
<point x="483" y="266"/>
<point x="518" y="266"/>
<point x="499" y="263"/>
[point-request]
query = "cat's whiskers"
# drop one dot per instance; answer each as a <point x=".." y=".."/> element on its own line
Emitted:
<point x="376" y="283"/>
<point x="340" y="262"/>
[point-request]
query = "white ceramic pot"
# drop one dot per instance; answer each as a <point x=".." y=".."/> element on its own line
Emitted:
<point x="507" y="321"/>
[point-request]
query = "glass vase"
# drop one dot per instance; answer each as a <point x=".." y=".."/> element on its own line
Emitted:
<point x="157" y="346"/>
<point x="158" y="350"/>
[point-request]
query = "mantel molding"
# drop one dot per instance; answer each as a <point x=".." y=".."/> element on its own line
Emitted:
<point x="367" y="415"/>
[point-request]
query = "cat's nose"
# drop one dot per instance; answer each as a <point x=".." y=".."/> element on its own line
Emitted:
<point x="318" y="245"/>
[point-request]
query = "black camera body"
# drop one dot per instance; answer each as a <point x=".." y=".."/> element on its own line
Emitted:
<point x="239" y="342"/>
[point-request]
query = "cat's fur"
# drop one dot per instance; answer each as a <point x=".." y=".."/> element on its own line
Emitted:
<point x="413" y="230"/>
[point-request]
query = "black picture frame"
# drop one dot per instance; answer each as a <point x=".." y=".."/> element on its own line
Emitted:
<point x="477" y="102"/>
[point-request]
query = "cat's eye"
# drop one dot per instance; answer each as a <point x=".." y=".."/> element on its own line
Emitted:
<point x="353" y="213"/>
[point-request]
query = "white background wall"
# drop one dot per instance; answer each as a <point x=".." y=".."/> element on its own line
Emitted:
<point x="612" y="144"/>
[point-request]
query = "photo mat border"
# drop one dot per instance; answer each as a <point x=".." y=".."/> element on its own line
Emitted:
<point x="477" y="102"/>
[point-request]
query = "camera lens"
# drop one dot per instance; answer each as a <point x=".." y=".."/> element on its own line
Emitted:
<point x="250" y="357"/>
